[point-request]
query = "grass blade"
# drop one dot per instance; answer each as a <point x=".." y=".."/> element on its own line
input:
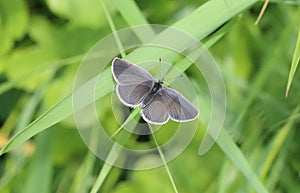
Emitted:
<point x="262" y="11"/>
<point x="294" y="66"/>
<point x="226" y="143"/>
<point x="40" y="175"/>
<point x="115" y="151"/>
<point x="113" y="29"/>
<point x="161" y="154"/>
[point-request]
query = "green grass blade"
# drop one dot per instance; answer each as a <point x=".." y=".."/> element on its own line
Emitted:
<point x="113" y="29"/>
<point x="294" y="66"/>
<point x="115" y="151"/>
<point x="161" y="154"/>
<point x="81" y="183"/>
<point x="40" y="173"/>
<point x="277" y="144"/>
<point x="260" y="79"/>
<point x="17" y="158"/>
<point x="231" y="150"/>
<point x="59" y="112"/>
<point x="225" y="11"/>
<point x="132" y="17"/>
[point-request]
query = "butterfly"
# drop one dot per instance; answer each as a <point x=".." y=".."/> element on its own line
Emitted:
<point x="137" y="87"/>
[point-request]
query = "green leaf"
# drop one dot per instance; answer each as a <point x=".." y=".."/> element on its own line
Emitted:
<point x="64" y="41"/>
<point x="14" y="22"/>
<point x="80" y="13"/>
<point x="295" y="62"/>
<point x="30" y="66"/>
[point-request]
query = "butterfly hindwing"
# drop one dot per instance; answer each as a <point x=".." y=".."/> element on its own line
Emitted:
<point x="133" y="95"/>
<point x="179" y="108"/>
<point x="155" y="112"/>
<point x="133" y="82"/>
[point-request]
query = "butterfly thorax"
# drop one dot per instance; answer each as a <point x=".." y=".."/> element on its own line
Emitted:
<point x="156" y="86"/>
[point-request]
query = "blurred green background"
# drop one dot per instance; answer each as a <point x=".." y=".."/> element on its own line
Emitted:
<point x="42" y="43"/>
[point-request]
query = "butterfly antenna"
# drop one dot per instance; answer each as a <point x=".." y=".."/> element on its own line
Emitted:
<point x="160" y="63"/>
<point x="174" y="78"/>
<point x="169" y="70"/>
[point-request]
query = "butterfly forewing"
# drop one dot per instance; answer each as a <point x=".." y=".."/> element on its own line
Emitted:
<point x="133" y="82"/>
<point x="126" y="73"/>
<point x="179" y="108"/>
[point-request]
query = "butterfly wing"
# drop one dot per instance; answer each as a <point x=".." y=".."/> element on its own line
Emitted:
<point x="132" y="95"/>
<point x="178" y="107"/>
<point x="133" y="82"/>
<point x="126" y="73"/>
<point x="155" y="111"/>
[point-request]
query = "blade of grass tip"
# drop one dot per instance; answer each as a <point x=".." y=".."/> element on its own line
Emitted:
<point x="262" y="11"/>
<point x="294" y="66"/>
<point x="115" y="151"/>
<point x="113" y="29"/>
<point x="161" y="154"/>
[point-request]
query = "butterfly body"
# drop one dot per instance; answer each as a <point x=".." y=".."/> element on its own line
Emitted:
<point x="154" y="90"/>
<point x="157" y="85"/>
<point x="136" y="87"/>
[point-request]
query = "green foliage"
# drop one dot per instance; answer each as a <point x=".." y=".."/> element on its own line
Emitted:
<point x="43" y="43"/>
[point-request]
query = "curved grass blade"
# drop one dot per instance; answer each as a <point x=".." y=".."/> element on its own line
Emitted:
<point x="59" y="112"/>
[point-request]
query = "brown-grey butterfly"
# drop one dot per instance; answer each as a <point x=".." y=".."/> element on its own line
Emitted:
<point x="135" y="87"/>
